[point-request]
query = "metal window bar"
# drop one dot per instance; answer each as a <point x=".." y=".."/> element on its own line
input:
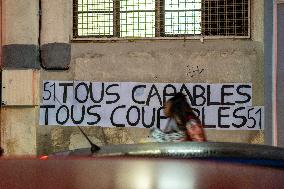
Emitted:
<point x="160" y="18"/>
<point x="75" y="19"/>
<point x="116" y="18"/>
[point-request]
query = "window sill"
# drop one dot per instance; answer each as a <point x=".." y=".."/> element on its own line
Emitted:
<point x="116" y="39"/>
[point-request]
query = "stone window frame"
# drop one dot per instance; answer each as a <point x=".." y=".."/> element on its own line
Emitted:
<point x="114" y="37"/>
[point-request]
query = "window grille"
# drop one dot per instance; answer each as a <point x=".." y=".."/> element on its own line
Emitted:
<point x="182" y="17"/>
<point x="160" y="18"/>
<point x="137" y="18"/>
<point x="225" y="17"/>
<point x="94" y="18"/>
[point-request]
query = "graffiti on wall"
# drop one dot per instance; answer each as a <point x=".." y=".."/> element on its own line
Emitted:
<point x="194" y="71"/>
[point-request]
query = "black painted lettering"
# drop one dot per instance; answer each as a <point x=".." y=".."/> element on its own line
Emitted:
<point x="226" y="94"/>
<point x="200" y="95"/>
<point x="159" y="117"/>
<point x="153" y="92"/>
<point x="46" y="90"/>
<point x="65" y="90"/>
<point x="86" y="92"/>
<point x="54" y="91"/>
<point x="128" y="116"/>
<point x="97" y="116"/>
<point x="220" y="115"/>
<point x="191" y="99"/>
<point x="46" y="112"/>
<point x="247" y="95"/>
<point x="112" y="94"/>
<point x="58" y="112"/>
<point x="203" y="120"/>
<point x="260" y="117"/>
<point x="77" y="122"/>
<point x="101" y="95"/>
<point x="152" y="119"/>
<point x="133" y="94"/>
<point x="243" y="118"/>
<point x="112" y="117"/>
<point x="251" y="118"/>
<point x="209" y="102"/>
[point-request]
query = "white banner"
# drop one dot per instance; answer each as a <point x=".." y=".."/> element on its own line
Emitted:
<point x="131" y="104"/>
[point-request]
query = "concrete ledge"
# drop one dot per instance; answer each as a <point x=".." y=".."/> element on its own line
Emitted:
<point x="20" y="56"/>
<point x="55" y="56"/>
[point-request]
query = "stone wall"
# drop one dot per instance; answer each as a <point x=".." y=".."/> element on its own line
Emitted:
<point x="61" y="58"/>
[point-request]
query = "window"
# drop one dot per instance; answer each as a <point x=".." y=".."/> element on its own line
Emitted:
<point x="137" y="18"/>
<point x="160" y="18"/>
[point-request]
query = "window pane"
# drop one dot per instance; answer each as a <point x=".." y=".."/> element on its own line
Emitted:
<point x="182" y="17"/>
<point x="137" y="18"/>
<point x="95" y="17"/>
<point x="226" y="18"/>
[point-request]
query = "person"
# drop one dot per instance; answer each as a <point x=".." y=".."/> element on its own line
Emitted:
<point x="183" y="124"/>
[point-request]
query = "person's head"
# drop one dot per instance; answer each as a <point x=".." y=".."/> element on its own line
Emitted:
<point x="1" y="151"/>
<point x="177" y="107"/>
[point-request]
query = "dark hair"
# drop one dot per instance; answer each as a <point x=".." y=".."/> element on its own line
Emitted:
<point x="1" y="151"/>
<point x="181" y="109"/>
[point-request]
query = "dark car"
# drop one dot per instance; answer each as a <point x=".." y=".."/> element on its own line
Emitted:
<point x="187" y="165"/>
<point x="233" y="152"/>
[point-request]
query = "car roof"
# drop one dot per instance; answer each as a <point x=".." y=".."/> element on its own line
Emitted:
<point x="185" y="150"/>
